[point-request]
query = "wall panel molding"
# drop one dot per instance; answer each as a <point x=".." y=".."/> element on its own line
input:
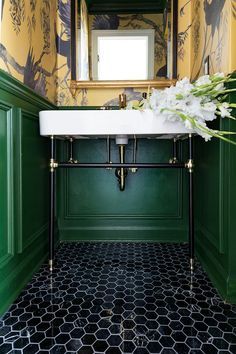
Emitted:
<point x="112" y="234"/>
<point x="153" y="206"/>
<point x="24" y="240"/>
<point x="224" y="189"/>
<point x="210" y="262"/>
<point x="6" y="181"/>
<point x="23" y="173"/>
<point x="215" y="241"/>
<point x="128" y="216"/>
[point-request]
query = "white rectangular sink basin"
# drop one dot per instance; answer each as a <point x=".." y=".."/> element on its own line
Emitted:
<point x="100" y="123"/>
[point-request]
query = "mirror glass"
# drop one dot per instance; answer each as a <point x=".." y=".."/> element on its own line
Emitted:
<point x="118" y="40"/>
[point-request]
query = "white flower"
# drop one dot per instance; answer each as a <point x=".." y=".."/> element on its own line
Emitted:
<point x="205" y="136"/>
<point x="208" y="111"/>
<point x="203" y="80"/>
<point x="192" y="104"/>
<point x="202" y="132"/>
<point x="185" y="86"/>
<point x="220" y="87"/>
<point x="188" y="124"/>
<point x="218" y="76"/>
<point x="224" y="109"/>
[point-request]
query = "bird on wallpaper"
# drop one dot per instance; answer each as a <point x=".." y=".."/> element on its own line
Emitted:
<point x="33" y="78"/>
<point x="33" y="74"/>
<point x="233" y="3"/>
<point x="213" y="10"/>
<point x="2" y="8"/>
<point x="213" y="15"/>
<point x="63" y="45"/>
<point x="106" y="22"/>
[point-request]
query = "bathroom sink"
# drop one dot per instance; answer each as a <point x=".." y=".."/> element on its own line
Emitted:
<point x="100" y="123"/>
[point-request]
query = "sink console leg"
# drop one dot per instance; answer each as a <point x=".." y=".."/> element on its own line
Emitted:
<point x="190" y="167"/>
<point x="53" y="166"/>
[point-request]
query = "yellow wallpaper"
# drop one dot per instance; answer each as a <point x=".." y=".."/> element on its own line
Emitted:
<point x="232" y="33"/>
<point x="206" y="30"/>
<point x="184" y="38"/>
<point x="35" y="45"/>
<point x="28" y="45"/>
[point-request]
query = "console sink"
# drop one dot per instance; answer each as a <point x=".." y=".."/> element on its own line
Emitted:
<point x="100" y="123"/>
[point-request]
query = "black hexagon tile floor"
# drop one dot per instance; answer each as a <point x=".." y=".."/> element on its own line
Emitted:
<point x="118" y="298"/>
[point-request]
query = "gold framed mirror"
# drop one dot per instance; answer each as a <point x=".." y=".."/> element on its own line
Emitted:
<point x="158" y="17"/>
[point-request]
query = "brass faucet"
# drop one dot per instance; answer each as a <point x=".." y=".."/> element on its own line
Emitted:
<point x="122" y="100"/>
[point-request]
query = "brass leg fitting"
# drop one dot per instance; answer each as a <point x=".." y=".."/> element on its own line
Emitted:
<point x="109" y="168"/>
<point x="50" y="262"/>
<point x="53" y="165"/>
<point x="173" y="160"/>
<point x="191" y="264"/>
<point x="71" y="160"/>
<point x="190" y="165"/>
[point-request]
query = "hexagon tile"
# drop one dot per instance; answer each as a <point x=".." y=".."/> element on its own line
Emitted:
<point x="115" y="298"/>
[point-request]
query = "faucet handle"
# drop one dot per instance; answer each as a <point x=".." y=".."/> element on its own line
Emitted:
<point x="122" y="100"/>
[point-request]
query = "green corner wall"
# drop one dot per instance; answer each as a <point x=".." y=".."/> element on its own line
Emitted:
<point x="24" y="186"/>
<point x="215" y="176"/>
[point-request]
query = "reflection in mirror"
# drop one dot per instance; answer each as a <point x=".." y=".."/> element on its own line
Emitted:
<point x="83" y="42"/>
<point x="122" y="54"/>
<point x="134" y="41"/>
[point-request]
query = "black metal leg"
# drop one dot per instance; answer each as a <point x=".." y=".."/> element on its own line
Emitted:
<point x="175" y="149"/>
<point x="53" y="165"/>
<point x="190" y="167"/>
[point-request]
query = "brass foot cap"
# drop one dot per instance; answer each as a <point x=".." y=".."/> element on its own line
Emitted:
<point x="50" y="262"/>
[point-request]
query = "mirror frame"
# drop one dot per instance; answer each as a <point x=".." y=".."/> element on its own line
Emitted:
<point x="162" y="83"/>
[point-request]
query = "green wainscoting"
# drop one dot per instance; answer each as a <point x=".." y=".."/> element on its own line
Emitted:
<point x="215" y="176"/>
<point x="152" y="207"/>
<point x="24" y="187"/>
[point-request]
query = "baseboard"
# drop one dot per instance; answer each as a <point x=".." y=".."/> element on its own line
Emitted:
<point x="214" y="270"/>
<point x="111" y="234"/>
<point x="10" y="286"/>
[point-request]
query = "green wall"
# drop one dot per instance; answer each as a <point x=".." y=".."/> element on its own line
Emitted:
<point x="23" y="187"/>
<point x="152" y="207"/>
<point x="215" y="176"/>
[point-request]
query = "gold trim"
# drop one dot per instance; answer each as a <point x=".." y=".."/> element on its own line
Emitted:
<point x="173" y="160"/>
<point x="50" y="262"/>
<point x="73" y="91"/>
<point x="71" y="160"/>
<point x="190" y="165"/>
<point x="53" y="164"/>
<point x="191" y="264"/>
<point x="93" y="84"/>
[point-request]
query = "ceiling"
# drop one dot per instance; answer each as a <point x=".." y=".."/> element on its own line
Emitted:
<point x="125" y="7"/>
